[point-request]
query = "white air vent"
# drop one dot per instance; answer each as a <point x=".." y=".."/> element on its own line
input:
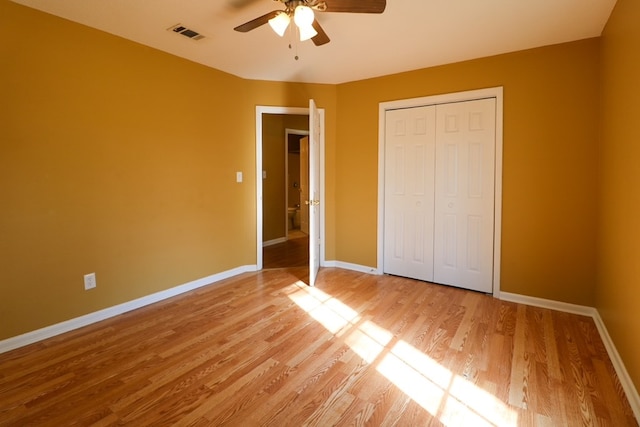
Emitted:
<point x="187" y="32"/>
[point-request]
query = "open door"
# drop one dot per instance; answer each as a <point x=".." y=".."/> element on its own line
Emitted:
<point x="305" y="195"/>
<point x="314" y="192"/>
<point x="316" y="122"/>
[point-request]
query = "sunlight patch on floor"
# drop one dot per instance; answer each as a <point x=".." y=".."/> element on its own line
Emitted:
<point x="481" y="403"/>
<point x="368" y="341"/>
<point x="450" y="398"/>
<point x="459" y="401"/>
<point x="330" y="312"/>
<point x="422" y="390"/>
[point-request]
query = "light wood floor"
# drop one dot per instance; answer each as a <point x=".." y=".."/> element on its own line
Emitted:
<point x="292" y="253"/>
<point x="264" y="349"/>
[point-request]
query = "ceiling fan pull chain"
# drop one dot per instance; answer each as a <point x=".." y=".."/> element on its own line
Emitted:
<point x="293" y="40"/>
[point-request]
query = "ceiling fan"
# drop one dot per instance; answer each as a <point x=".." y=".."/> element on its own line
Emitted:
<point x="301" y="11"/>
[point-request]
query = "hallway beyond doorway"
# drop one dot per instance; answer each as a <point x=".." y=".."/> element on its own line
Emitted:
<point x="292" y="253"/>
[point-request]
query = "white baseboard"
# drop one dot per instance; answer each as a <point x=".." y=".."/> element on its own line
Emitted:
<point x="69" y="325"/>
<point x="349" y="266"/>
<point x="582" y="310"/>
<point x="623" y="375"/>
<point x="274" y="242"/>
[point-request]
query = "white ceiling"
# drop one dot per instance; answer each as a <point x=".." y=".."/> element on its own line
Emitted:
<point x="409" y="35"/>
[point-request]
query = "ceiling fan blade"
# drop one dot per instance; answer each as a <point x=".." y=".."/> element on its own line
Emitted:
<point x="239" y="4"/>
<point x="255" y="23"/>
<point x="356" y="6"/>
<point x="320" y="38"/>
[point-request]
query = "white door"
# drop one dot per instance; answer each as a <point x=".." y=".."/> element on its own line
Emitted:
<point x="464" y="194"/>
<point x="439" y="193"/>
<point x="409" y="192"/>
<point x="304" y="184"/>
<point x="314" y="192"/>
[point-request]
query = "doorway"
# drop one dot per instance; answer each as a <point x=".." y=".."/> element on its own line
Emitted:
<point x="292" y="248"/>
<point x="263" y="113"/>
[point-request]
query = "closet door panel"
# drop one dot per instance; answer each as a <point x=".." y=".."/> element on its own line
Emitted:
<point x="464" y="194"/>
<point x="409" y="192"/>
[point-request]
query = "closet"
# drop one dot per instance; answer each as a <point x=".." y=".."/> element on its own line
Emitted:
<point x="439" y="196"/>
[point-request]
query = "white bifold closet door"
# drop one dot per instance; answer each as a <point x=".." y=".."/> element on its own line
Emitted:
<point x="409" y="192"/>
<point x="439" y="193"/>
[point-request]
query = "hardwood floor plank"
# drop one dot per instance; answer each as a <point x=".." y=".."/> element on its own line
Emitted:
<point x="415" y="415"/>
<point x="398" y="403"/>
<point x="264" y="349"/>
<point x="291" y="253"/>
<point x="553" y="362"/>
<point x="357" y="413"/>
<point x="518" y="384"/>
<point x="306" y="373"/>
<point x="618" y="416"/>
<point x="462" y="331"/>
<point x="237" y="397"/>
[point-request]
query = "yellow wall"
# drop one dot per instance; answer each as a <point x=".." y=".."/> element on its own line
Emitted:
<point x="119" y="159"/>
<point x="273" y="198"/>
<point x="116" y="159"/>
<point x="618" y="292"/>
<point x="550" y="161"/>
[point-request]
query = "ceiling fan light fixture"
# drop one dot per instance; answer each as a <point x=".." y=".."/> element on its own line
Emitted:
<point x="303" y="16"/>
<point x="280" y="23"/>
<point x="307" y="32"/>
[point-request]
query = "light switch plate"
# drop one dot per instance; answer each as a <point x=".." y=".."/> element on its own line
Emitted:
<point x="89" y="281"/>
<point x="238" y="176"/>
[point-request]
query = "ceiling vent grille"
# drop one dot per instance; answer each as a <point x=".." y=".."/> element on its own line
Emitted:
<point x="189" y="33"/>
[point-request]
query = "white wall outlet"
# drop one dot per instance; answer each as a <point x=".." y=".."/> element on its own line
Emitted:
<point x="89" y="281"/>
<point x="238" y="176"/>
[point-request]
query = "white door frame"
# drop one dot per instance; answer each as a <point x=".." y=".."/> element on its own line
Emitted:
<point x="260" y="110"/>
<point x="495" y="92"/>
